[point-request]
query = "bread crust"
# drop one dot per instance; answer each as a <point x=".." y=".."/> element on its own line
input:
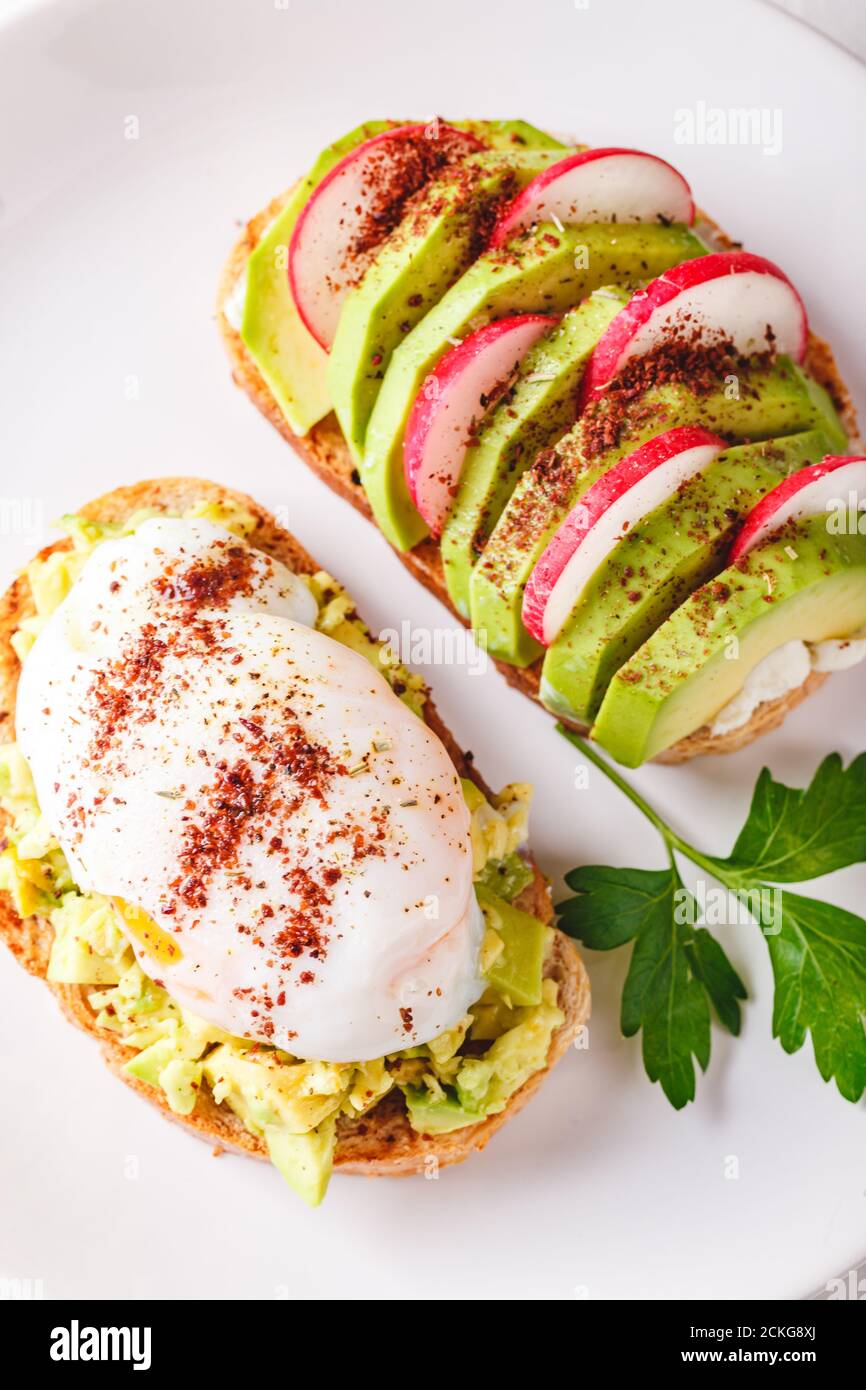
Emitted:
<point x="324" y="450"/>
<point x="381" y="1143"/>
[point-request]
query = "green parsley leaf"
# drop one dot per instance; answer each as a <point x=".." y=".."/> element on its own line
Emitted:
<point x="719" y="978"/>
<point x="676" y="971"/>
<point x="818" y="951"/>
<point x="792" y="835"/>
<point x="613" y="905"/>
<point x="819" y="967"/>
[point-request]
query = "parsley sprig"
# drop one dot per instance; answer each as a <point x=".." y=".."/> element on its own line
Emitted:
<point x="679" y="971"/>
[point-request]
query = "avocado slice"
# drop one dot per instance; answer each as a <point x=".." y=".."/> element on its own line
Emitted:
<point x="506" y="877"/>
<point x="802" y="583"/>
<point x="655" y="567"/>
<point x="511" y="135"/>
<point x="305" y="1160"/>
<point x="151" y="1061"/>
<point x="442" y="231"/>
<point x="288" y="357"/>
<point x="544" y="270"/>
<point x="517" y="971"/>
<point x="772" y="401"/>
<point x="73" y="960"/>
<point x="431" y="1115"/>
<point x="533" y="414"/>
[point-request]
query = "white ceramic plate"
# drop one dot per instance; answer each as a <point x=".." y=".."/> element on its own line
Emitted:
<point x="112" y="371"/>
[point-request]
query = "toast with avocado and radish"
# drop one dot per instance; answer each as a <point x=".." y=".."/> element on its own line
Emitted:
<point x="465" y="343"/>
<point x="212" y="779"/>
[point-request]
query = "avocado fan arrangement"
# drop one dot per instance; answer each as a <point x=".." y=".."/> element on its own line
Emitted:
<point x="591" y="424"/>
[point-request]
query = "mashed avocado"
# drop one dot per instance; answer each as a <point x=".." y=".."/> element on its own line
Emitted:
<point x="292" y="1105"/>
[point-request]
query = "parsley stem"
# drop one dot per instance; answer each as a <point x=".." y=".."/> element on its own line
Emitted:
<point x="588" y="751"/>
<point x="671" y="839"/>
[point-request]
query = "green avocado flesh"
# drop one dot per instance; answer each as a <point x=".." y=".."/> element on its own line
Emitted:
<point x="535" y="412"/>
<point x="657" y="564"/>
<point x="771" y="401"/>
<point x="542" y="271"/>
<point x="517" y="971"/>
<point x="288" y="357"/>
<point x="286" y="354"/>
<point x="511" y="135"/>
<point x="804" y="583"/>
<point x="431" y="1115"/>
<point x="442" y="231"/>
<point x="304" y="1160"/>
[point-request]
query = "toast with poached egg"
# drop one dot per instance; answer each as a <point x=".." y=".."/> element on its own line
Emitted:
<point x="194" y="734"/>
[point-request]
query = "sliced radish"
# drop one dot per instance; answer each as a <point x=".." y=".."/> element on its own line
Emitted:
<point x="605" y="185"/>
<point x="452" y="400"/>
<point x="731" y="294"/>
<point x="354" y="208"/>
<point x="811" y="491"/>
<point x="626" y="493"/>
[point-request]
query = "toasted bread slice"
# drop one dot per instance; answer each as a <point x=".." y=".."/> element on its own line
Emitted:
<point x="382" y="1142"/>
<point x="324" y="450"/>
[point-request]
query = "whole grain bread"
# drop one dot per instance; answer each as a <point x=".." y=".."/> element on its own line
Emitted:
<point x="325" y="451"/>
<point x="382" y="1142"/>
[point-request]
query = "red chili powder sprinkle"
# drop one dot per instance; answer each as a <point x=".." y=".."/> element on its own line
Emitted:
<point x="395" y="171"/>
<point x="233" y="802"/>
<point x="210" y="582"/>
<point x="126" y="689"/>
<point x="240" y="805"/>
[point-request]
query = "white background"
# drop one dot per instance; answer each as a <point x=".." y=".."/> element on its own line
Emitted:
<point x="109" y="255"/>
<point x="843" y="20"/>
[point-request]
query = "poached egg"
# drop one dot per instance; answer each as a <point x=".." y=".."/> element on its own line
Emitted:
<point x="286" y="844"/>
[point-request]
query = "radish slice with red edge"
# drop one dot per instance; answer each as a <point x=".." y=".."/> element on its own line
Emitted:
<point x="730" y="295"/>
<point x="354" y="208"/>
<point x="819" y="488"/>
<point x="454" y="398"/>
<point x="603" y="185"/>
<point x="622" y="497"/>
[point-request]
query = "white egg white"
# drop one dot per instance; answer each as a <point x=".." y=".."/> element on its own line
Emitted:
<point x="257" y="789"/>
